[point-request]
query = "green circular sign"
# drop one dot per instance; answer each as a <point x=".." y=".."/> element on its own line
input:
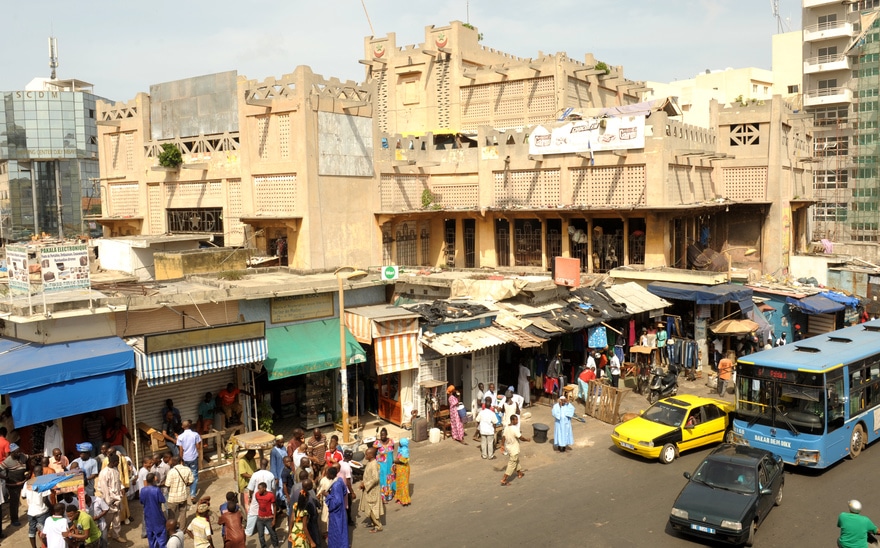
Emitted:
<point x="389" y="272"/>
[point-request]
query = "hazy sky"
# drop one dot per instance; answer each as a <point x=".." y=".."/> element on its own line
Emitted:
<point x="123" y="46"/>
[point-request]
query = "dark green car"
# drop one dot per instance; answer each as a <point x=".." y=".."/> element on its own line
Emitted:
<point x="729" y="494"/>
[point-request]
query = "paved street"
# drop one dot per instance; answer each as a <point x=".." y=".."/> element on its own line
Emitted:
<point x="593" y="496"/>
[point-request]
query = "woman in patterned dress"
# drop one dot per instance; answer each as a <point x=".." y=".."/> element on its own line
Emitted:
<point x="454" y="417"/>
<point x="385" y="457"/>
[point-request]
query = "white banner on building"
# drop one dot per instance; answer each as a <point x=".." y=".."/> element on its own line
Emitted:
<point x="64" y="267"/>
<point x="590" y="135"/>
<point x="17" y="265"/>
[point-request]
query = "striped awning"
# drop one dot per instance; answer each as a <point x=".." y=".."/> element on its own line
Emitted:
<point x="177" y="365"/>
<point x="393" y="332"/>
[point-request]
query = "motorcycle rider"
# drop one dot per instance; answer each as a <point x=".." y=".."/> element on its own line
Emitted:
<point x="854" y="527"/>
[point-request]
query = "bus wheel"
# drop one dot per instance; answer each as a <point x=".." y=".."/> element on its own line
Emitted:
<point x="857" y="441"/>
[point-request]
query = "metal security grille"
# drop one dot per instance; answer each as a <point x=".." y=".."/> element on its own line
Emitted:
<point x="425" y="240"/>
<point x="502" y="242"/>
<point x="554" y="239"/>
<point x="527" y="242"/>
<point x="470" y="243"/>
<point x="195" y="220"/>
<point x="387" y="245"/>
<point x="407" y="244"/>
<point x="449" y="238"/>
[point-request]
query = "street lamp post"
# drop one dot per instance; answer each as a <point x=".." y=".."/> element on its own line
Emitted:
<point x="748" y="251"/>
<point x="345" y="273"/>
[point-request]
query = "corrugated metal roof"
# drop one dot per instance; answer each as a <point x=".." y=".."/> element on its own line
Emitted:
<point x="522" y="339"/>
<point x="382" y="312"/>
<point x="463" y="342"/>
<point x="636" y="298"/>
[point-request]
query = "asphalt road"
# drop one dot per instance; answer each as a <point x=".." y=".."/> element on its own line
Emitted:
<point x="592" y="496"/>
<point x="595" y="496"/>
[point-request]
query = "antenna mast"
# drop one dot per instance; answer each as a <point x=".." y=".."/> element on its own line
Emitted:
<point x="53" y="55"/>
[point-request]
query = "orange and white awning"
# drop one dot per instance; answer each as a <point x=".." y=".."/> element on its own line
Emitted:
<point x="393" y="332"/>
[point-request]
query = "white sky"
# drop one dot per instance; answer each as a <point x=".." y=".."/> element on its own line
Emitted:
<point x="123" y="46"/>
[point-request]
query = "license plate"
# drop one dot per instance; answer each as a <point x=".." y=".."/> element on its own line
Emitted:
<point x="702" y="529"/>
<point x="627" y="445"/>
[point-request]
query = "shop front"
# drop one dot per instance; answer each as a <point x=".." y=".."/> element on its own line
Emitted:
<point x="301" y="370"/>
<point x="186" y="365"/>
<point x="393" y="333"/>
<point x="43" y="383"/>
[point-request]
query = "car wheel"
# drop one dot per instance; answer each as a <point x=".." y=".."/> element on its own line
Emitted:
<point x="667" y="454"/>
<point x="856" y="441"/>
<point x="778" y="500"/>
<point x="750" y="541"/>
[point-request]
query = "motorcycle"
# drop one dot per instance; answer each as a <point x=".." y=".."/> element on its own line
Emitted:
<point x="663" y="384"/>
<point x="642" y="378"/>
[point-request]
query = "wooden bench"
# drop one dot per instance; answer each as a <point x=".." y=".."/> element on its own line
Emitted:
<point x="443" y="422"/>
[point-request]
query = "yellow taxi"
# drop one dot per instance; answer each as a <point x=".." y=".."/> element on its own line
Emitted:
<point x="674" y="424"/>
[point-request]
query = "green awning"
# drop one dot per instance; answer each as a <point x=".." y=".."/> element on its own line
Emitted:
<point x="308" y="347"/>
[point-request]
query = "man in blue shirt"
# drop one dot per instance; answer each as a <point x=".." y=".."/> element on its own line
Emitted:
<point x="87" y="465"/>
<point x="189" y="442"/>
<point x="154" y="516"/>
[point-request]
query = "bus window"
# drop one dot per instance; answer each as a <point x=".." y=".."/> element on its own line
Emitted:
<point x="835" y="402"/>
<point x="803" y="407"/>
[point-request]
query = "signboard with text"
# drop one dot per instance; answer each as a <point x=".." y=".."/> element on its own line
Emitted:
<point x="64" y="267"/>
<point x="17" y="263"/>
<point x="301" y="307"/>
<point x="590" y="135"/>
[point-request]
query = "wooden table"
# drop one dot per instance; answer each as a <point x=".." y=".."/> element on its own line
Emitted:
<point x="257" y="440"/>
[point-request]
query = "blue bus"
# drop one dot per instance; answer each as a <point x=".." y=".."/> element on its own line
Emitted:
<point x="812" y="402"/>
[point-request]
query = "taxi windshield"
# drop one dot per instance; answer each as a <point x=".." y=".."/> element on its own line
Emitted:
<point x="663" y="413"/>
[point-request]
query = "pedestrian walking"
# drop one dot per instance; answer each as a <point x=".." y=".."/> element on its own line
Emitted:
<point x="154" y="516"/>
<point x="510" y="443"/>
<point x="374" y="503"/>
<point x="725" y="370"/>
<point x="854" y="527"/>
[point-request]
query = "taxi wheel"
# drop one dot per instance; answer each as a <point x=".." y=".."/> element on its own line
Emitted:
<point x="667" y="454"/>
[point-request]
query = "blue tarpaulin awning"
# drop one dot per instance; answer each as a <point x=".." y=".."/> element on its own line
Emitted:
<point x="48" y="381"/>
<point x="851" y="302"/>
<point x="815" y="304"/>
<point x="704" y="294"/>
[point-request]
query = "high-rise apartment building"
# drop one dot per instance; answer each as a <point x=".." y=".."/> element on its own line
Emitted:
<point x="841" y="42"/>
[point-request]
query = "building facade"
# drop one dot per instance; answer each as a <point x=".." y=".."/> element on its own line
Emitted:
<point x="463" y="184"/>
<point x="265" y="165"/>
<point x="841" y="44"/>
<point x="48" y="159"/>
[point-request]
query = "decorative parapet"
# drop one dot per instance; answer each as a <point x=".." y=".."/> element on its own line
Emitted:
<point x="108" y="112"/>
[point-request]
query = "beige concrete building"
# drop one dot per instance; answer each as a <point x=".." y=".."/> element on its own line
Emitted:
<point x="283" y="166"/>
<point x="463" y="185"/>
<point x="741" y="85"/>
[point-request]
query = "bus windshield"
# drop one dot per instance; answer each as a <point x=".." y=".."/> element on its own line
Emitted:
<point x="798" y="406"/>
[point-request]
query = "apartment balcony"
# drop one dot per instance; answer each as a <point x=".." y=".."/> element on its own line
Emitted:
<point x="827" y="63"/>
<point x="827" y="96"/>
<point x="828" y="31"/>
<point x="817" y="3"/>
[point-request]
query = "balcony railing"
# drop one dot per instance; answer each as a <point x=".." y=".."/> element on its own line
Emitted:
<point x="827" y="31"/>
<point x="824" y="63"/>
<point x="827" y="96"/>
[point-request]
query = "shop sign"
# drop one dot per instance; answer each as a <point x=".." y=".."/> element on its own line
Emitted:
<point x="301" y="307"/>
<point x="64" y="267"/>
<point x="192" y="338"/>
<point x="17" y="264"/>
<point x="390" y="273"/>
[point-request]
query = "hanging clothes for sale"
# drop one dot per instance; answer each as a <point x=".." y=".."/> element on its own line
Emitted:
<point x="632" y="330"/>
<point x="597" y="336"/>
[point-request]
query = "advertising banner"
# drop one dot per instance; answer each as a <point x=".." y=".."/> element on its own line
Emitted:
<point x="590" y="135"/>
<point x="17" y="264"/>
<point x="64" y="267"/>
